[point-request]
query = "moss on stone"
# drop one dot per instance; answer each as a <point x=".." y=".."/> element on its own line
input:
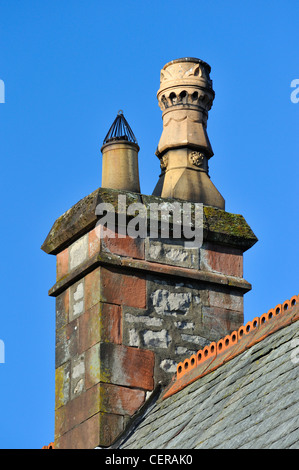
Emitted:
<point x="233" y="225"/>
<point x="62" y="382"/>
<point x="219" y="226"/>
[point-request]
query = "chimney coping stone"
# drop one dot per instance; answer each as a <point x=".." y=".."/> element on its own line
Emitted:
<point x="219" y="226"/>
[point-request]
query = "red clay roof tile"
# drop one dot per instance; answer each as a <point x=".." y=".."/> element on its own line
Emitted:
<point x="50" y="446"/>
<point x="215" y="354"/>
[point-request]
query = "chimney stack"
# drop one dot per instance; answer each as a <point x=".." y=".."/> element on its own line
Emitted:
<point x="185" y="97"/>
<point x="129" y="309"/>
<point x="120" y="157"/>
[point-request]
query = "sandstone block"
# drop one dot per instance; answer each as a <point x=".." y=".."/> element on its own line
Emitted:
<point x="120" y="365"/>
<point x="221" y="259"/>
<point x="123" y="289"/>
<point x="123" y="245"/>
<point x="105" y="398"/>
<point x="62" y="309"/>
<point x="94" y="242"/>
<point x="101" y="323"/>
<point x="62" y="384"/>
<point x="66" y="343"/>
<point x="92" y="289"/>
<point x="62" y="264"/>
<point x="230" y="301"/>
<point x="99" y="430"/>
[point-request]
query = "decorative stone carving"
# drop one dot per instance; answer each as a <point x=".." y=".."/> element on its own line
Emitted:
<point x="186" y="68"/>
<point x="163" y="162"/>
<point x="197" y="159"/>
<point x="195" y="98"/>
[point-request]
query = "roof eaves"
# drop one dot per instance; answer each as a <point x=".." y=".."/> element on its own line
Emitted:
<point x="216" y="354"/>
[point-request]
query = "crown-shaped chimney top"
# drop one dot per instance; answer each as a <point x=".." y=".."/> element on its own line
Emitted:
<point x="185" y="97"/>
<point x="120" y="130"/>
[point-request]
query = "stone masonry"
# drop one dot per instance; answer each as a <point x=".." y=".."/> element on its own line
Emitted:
<point x="129" y="309"/>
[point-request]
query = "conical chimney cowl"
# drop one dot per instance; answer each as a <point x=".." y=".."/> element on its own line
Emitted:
<point x="120" y="157"/>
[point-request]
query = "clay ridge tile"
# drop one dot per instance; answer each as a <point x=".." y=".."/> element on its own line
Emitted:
<point x="50" y="446"/>
<point x="215" y="354"/>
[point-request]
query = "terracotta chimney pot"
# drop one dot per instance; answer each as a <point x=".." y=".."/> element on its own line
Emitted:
<point x="185" y="97"/>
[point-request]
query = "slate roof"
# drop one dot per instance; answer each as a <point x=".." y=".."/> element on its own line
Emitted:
<point x="245" y="396"/>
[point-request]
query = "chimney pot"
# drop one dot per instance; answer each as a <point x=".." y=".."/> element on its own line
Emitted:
<point x="185" y="97"/>
<point x="120" y="157"/>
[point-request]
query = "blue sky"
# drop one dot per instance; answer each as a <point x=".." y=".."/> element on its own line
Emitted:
<point x="68" y="67"/>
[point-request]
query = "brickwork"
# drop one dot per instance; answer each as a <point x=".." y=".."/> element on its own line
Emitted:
<point x="182" y="315"/>
<point x="127" y="312"/>
<point x="100" y="382"/>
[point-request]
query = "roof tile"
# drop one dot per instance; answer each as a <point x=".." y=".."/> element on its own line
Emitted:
<point x="50" y="446"/>
<point x="216" y="354"/>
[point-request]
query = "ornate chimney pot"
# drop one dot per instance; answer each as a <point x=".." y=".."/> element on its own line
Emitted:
<point x="185" y="98"/>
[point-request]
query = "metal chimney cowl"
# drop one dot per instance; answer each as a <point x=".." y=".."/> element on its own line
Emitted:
<point x="120" y="157"/>
<point x="185" y="98"/>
